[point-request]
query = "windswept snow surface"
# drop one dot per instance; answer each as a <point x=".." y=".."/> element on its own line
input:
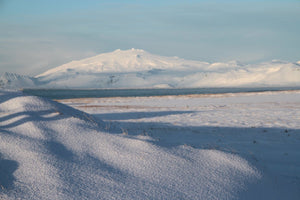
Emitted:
<point x="135" y="68"/>
<point x="138" y="151"/>
<point x="262" y="128"/>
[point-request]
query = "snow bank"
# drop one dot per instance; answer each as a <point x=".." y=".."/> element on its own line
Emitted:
<point x="51" y="151"/>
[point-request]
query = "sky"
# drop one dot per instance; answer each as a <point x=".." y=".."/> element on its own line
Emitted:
<point x="37" y="35"/>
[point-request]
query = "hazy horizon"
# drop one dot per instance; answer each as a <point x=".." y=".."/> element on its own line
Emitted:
<point x="40" y="35"/>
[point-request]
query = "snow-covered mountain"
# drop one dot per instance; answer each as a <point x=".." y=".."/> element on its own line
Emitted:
<point x="13" y="81"/>
<point x="130" y="68"/>
<point x="137" y="68"/>
<point x="132" y="60"/>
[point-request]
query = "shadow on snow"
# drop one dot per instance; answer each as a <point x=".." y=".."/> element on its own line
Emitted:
<point x="249" y="140"/>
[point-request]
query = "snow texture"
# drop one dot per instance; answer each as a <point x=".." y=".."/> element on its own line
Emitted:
<point x="138" y="151"/>
<point x="137" y="68"/>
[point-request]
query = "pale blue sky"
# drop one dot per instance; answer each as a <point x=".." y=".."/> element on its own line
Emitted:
<point x="36" y="35"/>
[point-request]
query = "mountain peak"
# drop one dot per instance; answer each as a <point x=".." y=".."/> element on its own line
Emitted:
<point x="121" y="61"/>
<point x="129" y="52"/>
<point x="132" y="50"/>
<point x="136" y="50"/>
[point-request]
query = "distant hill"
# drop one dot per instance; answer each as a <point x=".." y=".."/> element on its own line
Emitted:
<point x="14" y="81"/>
<point x="137" y="68"/>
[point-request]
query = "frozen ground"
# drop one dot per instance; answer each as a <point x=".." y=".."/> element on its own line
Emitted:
<point x="260" y="127"/>
<point x="235" y="146"/>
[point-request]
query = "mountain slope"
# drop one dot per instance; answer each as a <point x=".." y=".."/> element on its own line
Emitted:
<point x="14" y="81"/>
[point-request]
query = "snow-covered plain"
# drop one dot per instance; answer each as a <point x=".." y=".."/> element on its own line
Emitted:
<point x="233" y="146"/>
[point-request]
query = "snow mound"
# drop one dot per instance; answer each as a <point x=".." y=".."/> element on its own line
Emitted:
<point x="51" y="151"/>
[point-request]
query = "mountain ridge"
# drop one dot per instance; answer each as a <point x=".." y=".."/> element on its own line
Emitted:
<point x="124" y="61"/>
<point x="136" y="68"/>
<point x="13" y="80"/>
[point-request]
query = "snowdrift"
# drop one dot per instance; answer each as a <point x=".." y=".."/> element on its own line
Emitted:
<point x="137" y="68"/>
<point x="51" y="151"/>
